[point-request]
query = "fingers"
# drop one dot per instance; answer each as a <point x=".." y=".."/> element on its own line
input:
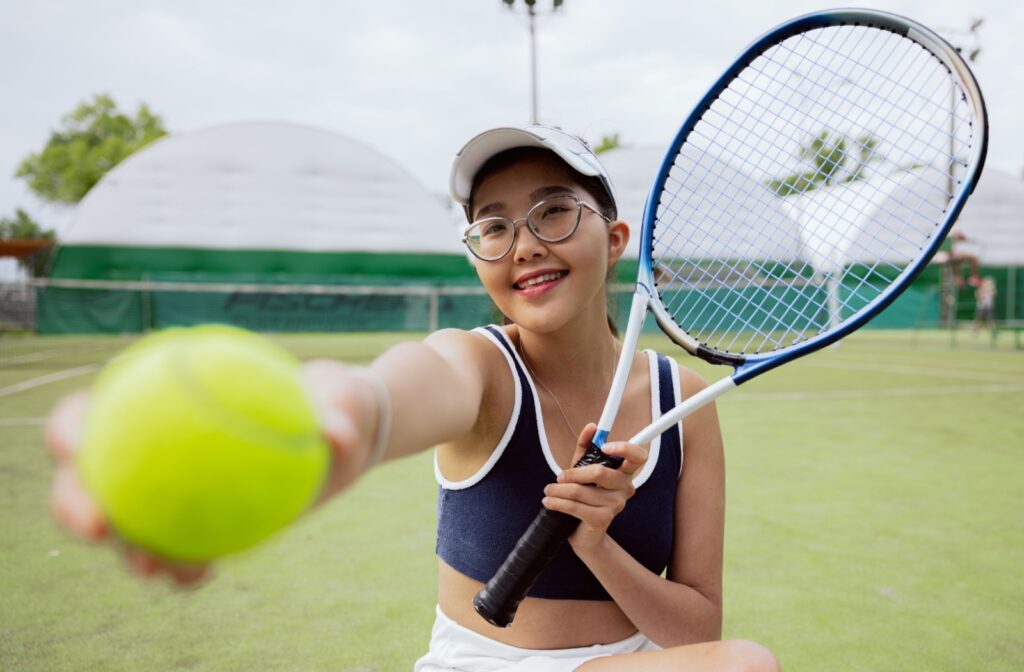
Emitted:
<point x="589" y="495"/>
<point x="188" y="575"/>
<point x="596" y="508"/>
<point x="146" y="564"/>
<point x="634" y="456"/>
<point x="575" y="492"/>
<point x="63" y="429"/>
<point x="73" y="507"/>
<point x="76" y="510"/>
<point x="576" y="495"/>
<point x="599" y="475"/>
<point x="597" y="517"/>
<point x="584" y="441"/>
<point x="142" y="563"/>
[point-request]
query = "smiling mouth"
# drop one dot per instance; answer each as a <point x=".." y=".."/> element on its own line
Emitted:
<point x="540" y="280"/>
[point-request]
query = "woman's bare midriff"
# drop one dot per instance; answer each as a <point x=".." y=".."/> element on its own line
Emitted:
<point x="539" y="624"/>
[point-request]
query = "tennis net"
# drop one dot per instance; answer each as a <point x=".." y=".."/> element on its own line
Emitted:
<point x="110" y="306"/>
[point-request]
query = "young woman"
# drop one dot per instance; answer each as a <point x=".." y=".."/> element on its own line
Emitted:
<point x="639" y="585"/>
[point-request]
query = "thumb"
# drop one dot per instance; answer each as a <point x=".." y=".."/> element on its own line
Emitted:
<point x="584" y="441"/>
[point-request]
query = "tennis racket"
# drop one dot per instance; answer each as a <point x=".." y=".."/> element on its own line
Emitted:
<point x="801" y="196"/>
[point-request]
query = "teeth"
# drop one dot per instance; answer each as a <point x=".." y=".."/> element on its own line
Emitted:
<point x="547" y="277"/>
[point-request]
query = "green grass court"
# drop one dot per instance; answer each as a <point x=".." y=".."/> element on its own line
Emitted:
<point x="875" y="522"/>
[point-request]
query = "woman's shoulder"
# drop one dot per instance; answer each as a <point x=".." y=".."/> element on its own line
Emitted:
<point x="475" y="347"/>
<point x="466" y="338"/>
<point x="702" y="425"/>
<point x="690" y="382"/>
<point x="477" y="353"/>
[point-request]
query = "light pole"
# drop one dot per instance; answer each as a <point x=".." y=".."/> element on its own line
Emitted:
<point x="951" y="271"/>
<point x="973" y="51"/>
<point x="531" y="17"/>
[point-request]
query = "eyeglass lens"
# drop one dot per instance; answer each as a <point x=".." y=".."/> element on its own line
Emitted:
<point x="551" y="220"/>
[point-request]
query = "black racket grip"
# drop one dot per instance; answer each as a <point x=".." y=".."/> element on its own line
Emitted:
<point x="499" y="599"/>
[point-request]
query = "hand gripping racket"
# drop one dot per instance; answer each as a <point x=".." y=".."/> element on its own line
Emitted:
<point x="801" y="196"/>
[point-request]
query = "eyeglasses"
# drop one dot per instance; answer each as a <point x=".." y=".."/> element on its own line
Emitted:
<point x="552" y="220"/>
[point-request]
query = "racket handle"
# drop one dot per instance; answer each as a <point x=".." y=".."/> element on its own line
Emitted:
<point x="499" y="599"/>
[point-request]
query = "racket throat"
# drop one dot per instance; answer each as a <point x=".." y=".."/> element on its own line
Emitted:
<point x="714" y="357"/>
<point x="637" y="312"/>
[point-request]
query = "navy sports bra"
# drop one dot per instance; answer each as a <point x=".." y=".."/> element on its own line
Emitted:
<point x="480" y="518"/>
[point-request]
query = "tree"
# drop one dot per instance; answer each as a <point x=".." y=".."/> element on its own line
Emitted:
<point x="835" y="159"/>
<point x="92" y="139"/>
<point x="608" y="142"/>
<point x="23" y="227"/>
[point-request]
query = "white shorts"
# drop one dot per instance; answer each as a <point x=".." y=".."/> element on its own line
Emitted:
<point x="454" y="648"/>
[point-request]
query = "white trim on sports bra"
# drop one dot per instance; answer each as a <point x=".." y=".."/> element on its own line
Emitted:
<point x="639" y="478"/>
<point x="505" y="438"/>
<point x="655" y="451"/>
<point x="677" y="394"/>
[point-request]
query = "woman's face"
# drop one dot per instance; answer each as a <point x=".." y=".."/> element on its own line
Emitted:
<point x="538" y="285"/>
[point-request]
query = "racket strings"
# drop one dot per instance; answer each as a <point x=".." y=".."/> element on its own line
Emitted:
<point x="819" y="155"/>
<point x="799" y="246"/>
<point x="723" y="304"/>
<point x="782" y="120"/>
<point x="895" y="83"/>
<point x="941" y="81"/>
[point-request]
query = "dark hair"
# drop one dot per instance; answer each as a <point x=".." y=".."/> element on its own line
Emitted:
<point x="593" y="185"/>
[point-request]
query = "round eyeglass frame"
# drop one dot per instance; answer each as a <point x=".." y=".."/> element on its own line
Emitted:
<point x="514" y="223"/>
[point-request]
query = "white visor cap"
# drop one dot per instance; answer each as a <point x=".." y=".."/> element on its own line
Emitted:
<point x="480" y="149"/>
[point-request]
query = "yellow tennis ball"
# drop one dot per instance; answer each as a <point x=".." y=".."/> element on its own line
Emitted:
<point x="202" y="441"/>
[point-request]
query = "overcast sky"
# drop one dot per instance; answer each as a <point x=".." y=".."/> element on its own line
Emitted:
<point x="415" y="78"/>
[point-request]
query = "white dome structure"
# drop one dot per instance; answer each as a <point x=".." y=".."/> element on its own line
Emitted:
<point x="632" y="170"/>
<point x="255" y="185"/>
<point x="201" y="221"/>
<point x="993" y="220"/>
<point x="724" y="209"/>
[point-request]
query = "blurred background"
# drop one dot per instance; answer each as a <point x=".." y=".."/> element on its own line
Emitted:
<point x="311" y="146"/>
<point x="284" y="168"/>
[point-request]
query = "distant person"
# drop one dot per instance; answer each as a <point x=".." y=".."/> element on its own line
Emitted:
<point x="985" y="301"/>
<point x="960" y="252"/>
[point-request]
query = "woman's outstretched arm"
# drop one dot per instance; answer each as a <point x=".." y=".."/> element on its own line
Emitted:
<point x="433" y="390"/>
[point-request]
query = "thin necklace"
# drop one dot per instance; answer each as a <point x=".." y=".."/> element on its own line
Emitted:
<point x="522" y="353"/>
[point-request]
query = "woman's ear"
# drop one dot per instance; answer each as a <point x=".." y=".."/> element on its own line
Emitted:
<point x="618" y="239"/>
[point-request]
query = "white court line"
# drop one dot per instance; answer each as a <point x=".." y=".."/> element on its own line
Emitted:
<point x="49" y="378"/>
<point x="64" y="349"/>
<point x="916" y="370"/>
<point x="957" y="390"/>
<point x="21" y="422"/>
<point x="1005" y="365"/>
<point x="33" y="356"/>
